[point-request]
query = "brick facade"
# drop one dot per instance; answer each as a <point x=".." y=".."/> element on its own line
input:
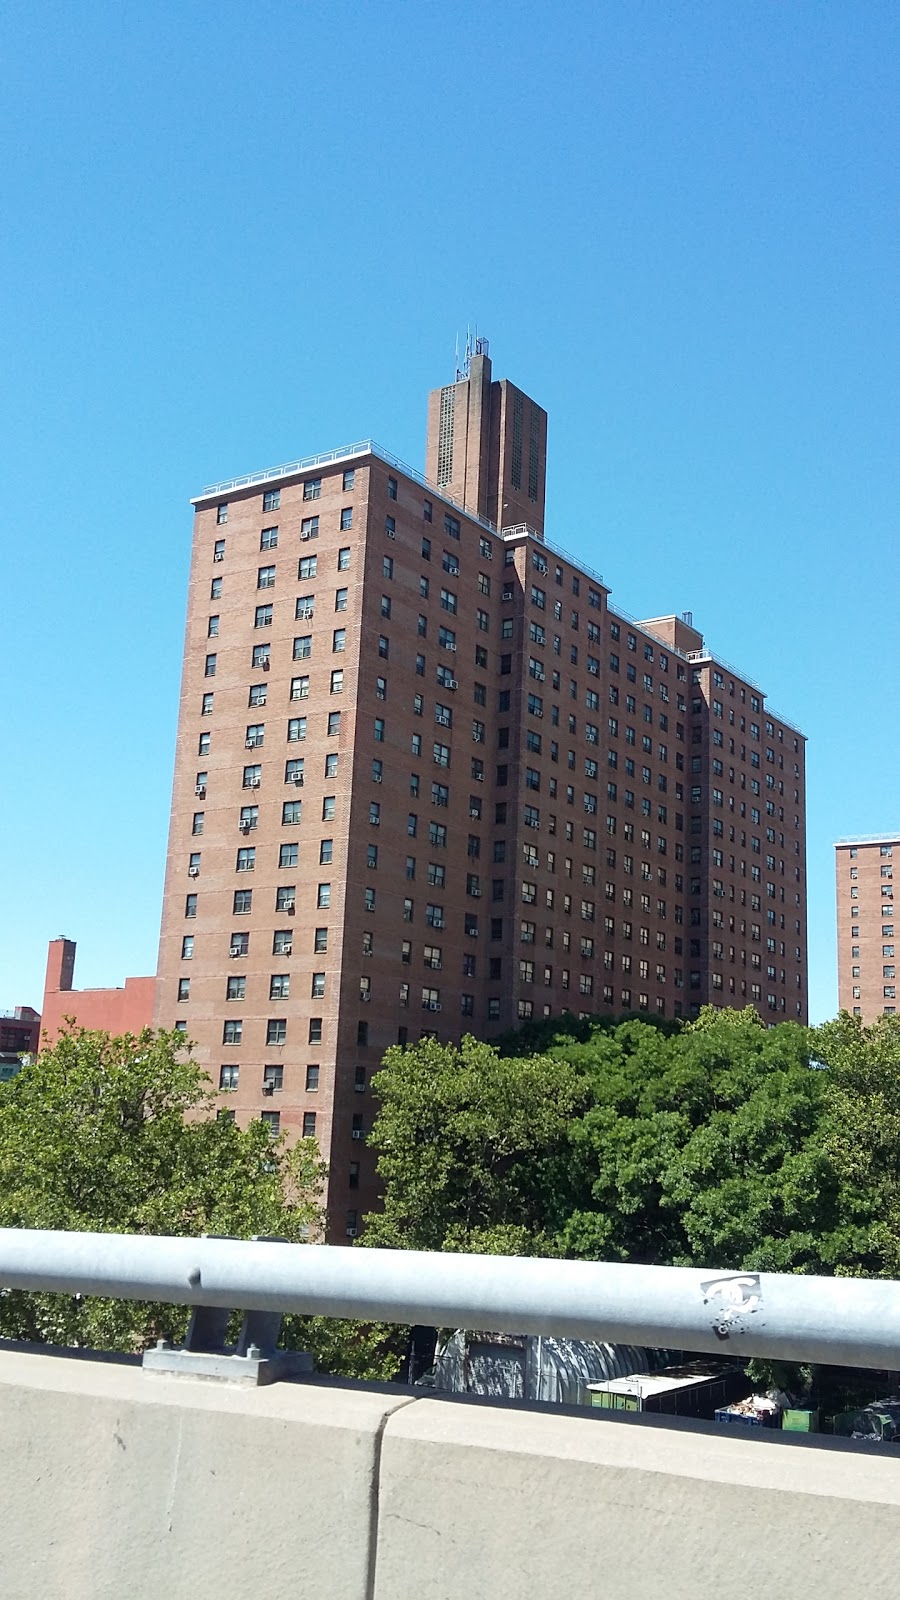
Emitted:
<point x="468" y="785"/>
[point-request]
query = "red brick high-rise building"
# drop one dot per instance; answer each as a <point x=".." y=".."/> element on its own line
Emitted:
<point x="428" y="780"/>
<point x="865" y="923"/>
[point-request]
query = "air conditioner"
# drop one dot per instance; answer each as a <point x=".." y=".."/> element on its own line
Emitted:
<point x="452" y="684"/>
<point x="376" y="777"/>
<point x="252" y="783"/>
<point x="249" y="744"/>
<point x="246" y="827"/>
<point x="297" y="778"/>
<point x="474" y="813"/>
<point x="475" y="894"/>
<point x="219" y="555"/>
<point x="264" y="665"/>
<point x="200" y="791"/>
<point x="433" y="1005"/>
<point x="286" y="950"/>
<point x="193" y="872"/>
<point x="451" y="647"/>
<point x="305" y="536"/>
<point x="390" y="533"/>
<point x="365" y="998"/>
<point x="268" y="1088"/>
<point x="356" y="1133"/>
<point x="351" y="1233"/>
<point x="234" y="954"/>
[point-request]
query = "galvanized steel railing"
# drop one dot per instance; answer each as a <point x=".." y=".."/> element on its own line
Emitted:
<point x="848" y="1321"/>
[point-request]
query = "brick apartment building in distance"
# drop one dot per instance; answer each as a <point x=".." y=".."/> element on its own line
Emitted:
<point x="865" y="924"/>
<point x="428" y="781"/>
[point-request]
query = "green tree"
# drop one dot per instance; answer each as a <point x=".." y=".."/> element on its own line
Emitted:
<point x="699" y="1145"/>
<point x="120" y="1135"/>
<point x="474" y="1148"/>
<point x="861" y="1085"/>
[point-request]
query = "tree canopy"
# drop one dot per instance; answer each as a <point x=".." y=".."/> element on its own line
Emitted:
<point x="120" y="1135"/>
<point x="720" y="1142"/>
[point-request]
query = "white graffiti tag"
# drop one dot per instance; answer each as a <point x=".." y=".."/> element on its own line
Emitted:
<point x="733" y="1297"/>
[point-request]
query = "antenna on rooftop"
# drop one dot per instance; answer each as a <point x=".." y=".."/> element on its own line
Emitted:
<point x="475" y="346"/>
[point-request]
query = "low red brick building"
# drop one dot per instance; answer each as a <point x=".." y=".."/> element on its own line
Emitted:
<point x="125" y="1010"/>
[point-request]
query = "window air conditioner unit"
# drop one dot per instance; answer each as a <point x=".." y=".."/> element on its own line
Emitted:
<point x="390" y="533"/>
<point x="193" y="872"/>
<point x="356" y="1133"/>
<point x="234" y="954"/>
<point x="365" y="998"/>
<point x="249" y="744"/>
<point x="451" y="647"/>
<point x="264" y="664"/>
<point x="200" y="791"/>
<point x="288" y="906"/>
<point x="218" y="555"/>
<point x="475" y="894"/>
<point x="376" y="777"/>
<point x="433" y="1005"/>
<point x="305" y="536"/>
<point x="297" y="778"/>
<point x="452" y="684"/>
<point x="351" y="1233"/>
<point x="375" y="822"/>
<point x="268" y="1088"/>
<point x="252" y="783"/>
<point x="246" y="827"/>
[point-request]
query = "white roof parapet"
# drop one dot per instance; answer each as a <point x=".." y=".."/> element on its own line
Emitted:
<point x="869" y="838"/>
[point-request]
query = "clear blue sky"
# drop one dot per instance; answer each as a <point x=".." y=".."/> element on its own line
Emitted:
<point x="238" y="233"/>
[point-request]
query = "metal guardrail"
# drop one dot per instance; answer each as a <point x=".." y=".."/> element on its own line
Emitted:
<point x="848" y="1321"/>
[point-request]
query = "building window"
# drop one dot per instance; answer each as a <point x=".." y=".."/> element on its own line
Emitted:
<point x="232" y="1031"/>
<point x="235" y="988"/>
<point x="228" y="1077"/>
<point x="268" y="539"/>
<point x="263" y="617"/>
<point x="271" y="499"/>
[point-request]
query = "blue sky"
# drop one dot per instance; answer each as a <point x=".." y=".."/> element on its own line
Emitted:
<point x="236" y="234"/>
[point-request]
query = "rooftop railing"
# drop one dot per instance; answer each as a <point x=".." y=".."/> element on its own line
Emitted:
<point x="870" y="838"/>
<point x="844" y="1321"/>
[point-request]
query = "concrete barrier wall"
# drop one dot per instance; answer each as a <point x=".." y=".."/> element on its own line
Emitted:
<point x="117" y="1484"/>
